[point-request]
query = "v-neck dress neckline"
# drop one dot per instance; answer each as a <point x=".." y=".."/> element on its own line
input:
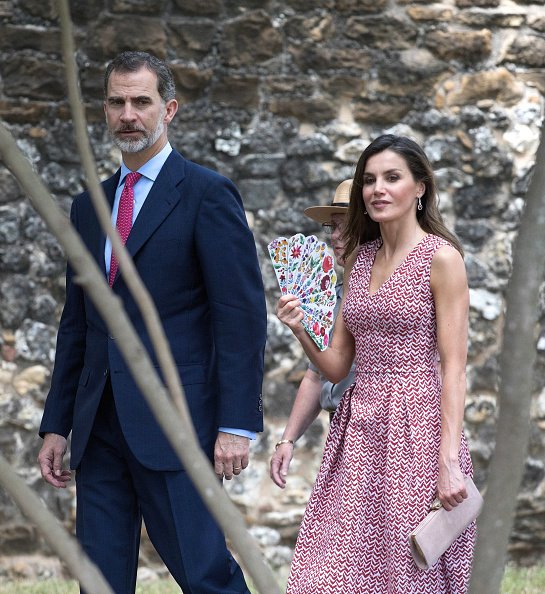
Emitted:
<point x="398" y="269"/>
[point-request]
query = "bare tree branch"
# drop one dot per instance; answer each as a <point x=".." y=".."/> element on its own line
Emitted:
<point x="66" y="546"/>
<point x="517" y="361"/>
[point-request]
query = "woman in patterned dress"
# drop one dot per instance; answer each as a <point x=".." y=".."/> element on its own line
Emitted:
<point x="396" y="441"/>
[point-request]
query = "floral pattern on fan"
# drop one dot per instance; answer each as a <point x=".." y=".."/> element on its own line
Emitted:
<point x="304" y="267"/>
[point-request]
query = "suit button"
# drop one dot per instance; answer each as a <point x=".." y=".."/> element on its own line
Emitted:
<point x="106" y="372"/>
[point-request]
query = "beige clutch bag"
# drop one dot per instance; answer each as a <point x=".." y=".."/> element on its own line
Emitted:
<point x="440" y="528"/>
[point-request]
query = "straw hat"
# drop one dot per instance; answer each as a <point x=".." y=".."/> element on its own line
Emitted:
<point x="339" y="204"/>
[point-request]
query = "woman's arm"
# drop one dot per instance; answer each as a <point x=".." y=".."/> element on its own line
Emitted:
<point x="335" y="362"/>
<point x="451" y="296"/>
<point x="306" y="408"/>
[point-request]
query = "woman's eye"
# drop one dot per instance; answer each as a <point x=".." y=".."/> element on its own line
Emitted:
<point x="368" y="180"/>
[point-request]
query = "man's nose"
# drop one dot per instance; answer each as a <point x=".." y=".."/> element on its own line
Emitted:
<point x="128" y="114"/>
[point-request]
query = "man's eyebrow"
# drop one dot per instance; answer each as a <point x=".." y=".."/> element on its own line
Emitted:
<point x="121" y="98"/>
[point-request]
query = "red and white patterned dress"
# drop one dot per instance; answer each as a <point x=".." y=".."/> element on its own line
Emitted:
<point x="379" y="471"/>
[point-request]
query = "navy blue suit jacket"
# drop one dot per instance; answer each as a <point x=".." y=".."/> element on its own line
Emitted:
<point x="196" y="255"/>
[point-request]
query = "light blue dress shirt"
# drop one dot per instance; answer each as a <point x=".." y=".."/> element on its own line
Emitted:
<point x="149" y="171"/>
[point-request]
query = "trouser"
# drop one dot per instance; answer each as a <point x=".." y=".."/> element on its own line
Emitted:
<point x="114" y="493"/>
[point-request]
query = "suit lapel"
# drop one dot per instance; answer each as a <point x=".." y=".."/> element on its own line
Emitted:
<point x="109" y="186"/>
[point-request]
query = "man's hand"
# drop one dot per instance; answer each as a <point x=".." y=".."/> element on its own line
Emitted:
<point x="50" y="460"/>
<point x="231" y="454"/>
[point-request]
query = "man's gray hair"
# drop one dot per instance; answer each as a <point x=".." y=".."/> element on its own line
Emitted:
<point x="133" y="61"/>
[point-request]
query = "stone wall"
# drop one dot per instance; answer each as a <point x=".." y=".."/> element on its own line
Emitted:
<point x="281" y="96"/>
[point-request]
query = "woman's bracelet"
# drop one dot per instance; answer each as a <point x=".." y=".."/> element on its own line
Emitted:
<point x="282" y="441"/>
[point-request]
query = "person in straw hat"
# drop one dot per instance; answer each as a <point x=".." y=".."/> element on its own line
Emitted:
<point x="315" y="391"/>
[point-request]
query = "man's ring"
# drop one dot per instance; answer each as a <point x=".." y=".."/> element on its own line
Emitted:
<point x="237" y="467"/>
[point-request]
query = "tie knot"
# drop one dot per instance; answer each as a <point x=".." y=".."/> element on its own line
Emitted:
<point x="132" y="178"/>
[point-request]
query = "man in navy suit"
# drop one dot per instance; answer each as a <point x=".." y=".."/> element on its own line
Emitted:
<point x="193" y="249"/>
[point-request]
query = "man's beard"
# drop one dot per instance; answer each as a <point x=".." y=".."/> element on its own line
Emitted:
<point x="136" y="145"/>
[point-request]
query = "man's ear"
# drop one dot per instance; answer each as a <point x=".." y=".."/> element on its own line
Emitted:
<point x="171" y="109"/>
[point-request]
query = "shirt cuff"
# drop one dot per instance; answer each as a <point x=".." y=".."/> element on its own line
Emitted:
<point x="241" y="432"/>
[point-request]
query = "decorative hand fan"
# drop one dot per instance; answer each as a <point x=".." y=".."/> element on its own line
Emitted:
<point x="304" y="268"/>
<point x="278" y="251"/>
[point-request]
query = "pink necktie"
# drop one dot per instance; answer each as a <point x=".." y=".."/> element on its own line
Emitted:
<point x="124" y="217"/>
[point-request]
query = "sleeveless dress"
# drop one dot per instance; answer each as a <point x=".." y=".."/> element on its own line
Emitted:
<point x="379" y="471"/>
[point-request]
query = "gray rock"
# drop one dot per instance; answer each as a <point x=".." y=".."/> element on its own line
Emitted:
<point x="473" y="233"/>
<point x="472" y="116"/>
<point x="10" y="225"/>
<point x="479" y="201"/>
<point x="10" y="188"/>
<point x="260" y="165"/>
<point x="14" y="258"/>
<point x="490" y="305"/>
<point x="317" y="145"/>
<point x="484" y="378"/>
<point x="300" y="175"/>
<point x="259" y="193"/>
<point x="43" y="307"/>
<point x="477" y="272"/>
<point x="36" y="341"/>
<point x="443" y="151"/>
<point x="432" y="120"/>
<point x="15" y="295"/>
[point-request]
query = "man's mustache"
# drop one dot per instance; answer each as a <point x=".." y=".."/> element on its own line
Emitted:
<point x="129" y="128"/>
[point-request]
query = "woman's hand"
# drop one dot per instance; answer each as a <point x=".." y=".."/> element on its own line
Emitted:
<point x="280" y="464"/>
<point x="289" y="312"/>
<point x="451" y="487"/>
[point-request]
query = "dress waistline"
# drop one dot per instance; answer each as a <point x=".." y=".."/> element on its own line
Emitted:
<point x="412" y="369"/>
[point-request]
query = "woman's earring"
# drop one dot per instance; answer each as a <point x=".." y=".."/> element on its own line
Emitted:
<point x="419" y="206"/>
<point x="364" y="212"/>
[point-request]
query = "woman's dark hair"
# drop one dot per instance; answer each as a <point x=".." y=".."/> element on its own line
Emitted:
<point x="361" y="228"/>
<point x="133" y="61"/>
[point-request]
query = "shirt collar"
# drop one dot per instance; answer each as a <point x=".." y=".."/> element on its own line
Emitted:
<point x="150" y="169"/>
